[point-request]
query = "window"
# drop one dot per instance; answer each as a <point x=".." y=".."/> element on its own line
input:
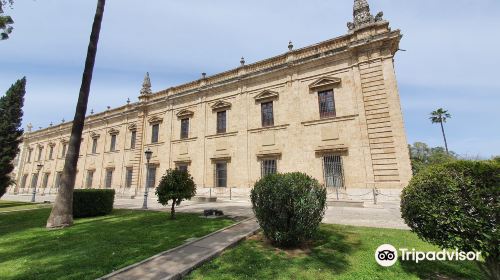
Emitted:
<point x="128" y="177"/>
<point x="34" y="180"/>
<point x="58" y="180"/>
<point x="40" y="150"/>
<point x="151" y="176"/>
<point x="221" y="174"/>
<point x="326" y="104"/>
<point x="109" y="178"/>
<point x="94" y="145"/>
<point x="112" y="145"/>
<point x="182" y="167"/>
<point x="155" y="129"/>
<point x="133" y="135"/>
<point x="64" y="150"/>
<point x="45" y="181"/>
<point x="30" y="151"/>
<point x="23" y="180"/>
<point x="184" y="128"/>
<point x="267" y="113"/>
<point x="51" y="152"/>
<point x="332" y="171"/>
<point x="268" y="166"/>
<point x="90" y="179"/>
<point x="221" y="122"/>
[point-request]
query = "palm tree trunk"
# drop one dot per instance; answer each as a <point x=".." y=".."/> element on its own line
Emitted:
<point x="444" y="136"/>
<point x="62" y="212"/>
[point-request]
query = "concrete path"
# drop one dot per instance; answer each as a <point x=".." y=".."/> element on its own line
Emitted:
<point x="177" y="262"/>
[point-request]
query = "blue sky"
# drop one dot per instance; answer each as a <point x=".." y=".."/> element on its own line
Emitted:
<point x="452" y="57"/>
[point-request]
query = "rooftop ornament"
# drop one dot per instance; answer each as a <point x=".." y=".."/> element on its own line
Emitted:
<point x="362" y="15"/>
<point x="146" y="85"/>
<point x="242" y="61"/>
<point x="290" y="46"/>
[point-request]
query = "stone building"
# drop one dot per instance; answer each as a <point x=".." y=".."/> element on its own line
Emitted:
<point x="331" y="110"/>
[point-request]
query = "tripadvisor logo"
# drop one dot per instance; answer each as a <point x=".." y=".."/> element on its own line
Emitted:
<point x="386" y="255"/>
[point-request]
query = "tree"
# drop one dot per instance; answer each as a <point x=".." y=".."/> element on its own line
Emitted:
<point x="11" y="110"/>
<point x="456" y="205"/>
<point x="62" y="212"/>
<point x="176" y="185"/>
<point x="440" y="116"/>
<point x="422" y="155"/>
<point x="5" y="21"/>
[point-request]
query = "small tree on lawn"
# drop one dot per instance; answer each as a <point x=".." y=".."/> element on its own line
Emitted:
<point x="176" y="185"/>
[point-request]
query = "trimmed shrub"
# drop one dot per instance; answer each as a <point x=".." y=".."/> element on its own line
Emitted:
<point x="289" y="207"/>
<point x="456" y="205"/>
<point x="176" y="185"/>
<point x="92" y="202"/>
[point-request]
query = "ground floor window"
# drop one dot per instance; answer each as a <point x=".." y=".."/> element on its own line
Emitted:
<point x="45" y="181"/>
<point x="58" y="179"/>
<point x="182" y="167"/>
<point x="109" y="178"/>
<point x="23" y="180"/>
<point x="34" y="180"/>
<point x="268" y="166"/>
<point x="333" y="171"/>
<point x="128" y="177"/>
<point x="151" y="176"/>
<point x="90" y="179"/>
<point x="221" y="174"/>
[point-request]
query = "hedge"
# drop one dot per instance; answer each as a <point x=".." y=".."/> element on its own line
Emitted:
<point x="92" y="202"/>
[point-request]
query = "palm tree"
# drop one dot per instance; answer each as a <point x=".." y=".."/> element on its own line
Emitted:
<point x="440" y="116"/>
<point x="62" y="212"/>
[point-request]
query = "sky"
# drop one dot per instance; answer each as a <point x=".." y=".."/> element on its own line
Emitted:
<point x="452" y="54"/>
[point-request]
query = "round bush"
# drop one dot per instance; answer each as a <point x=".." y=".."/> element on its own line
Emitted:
<point x="455" y="205"/>
<point x="289" y="207"/>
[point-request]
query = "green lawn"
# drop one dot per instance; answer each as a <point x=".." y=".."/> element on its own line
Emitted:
<point x="6" y="205"/>
<point x="93" y="247"/>
<point x="339" y="252"/>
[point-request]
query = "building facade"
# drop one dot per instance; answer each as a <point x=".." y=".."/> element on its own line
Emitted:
<point x="331" y="110"/>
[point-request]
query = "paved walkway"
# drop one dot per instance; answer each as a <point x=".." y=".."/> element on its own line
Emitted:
<point x="177" y="262"/>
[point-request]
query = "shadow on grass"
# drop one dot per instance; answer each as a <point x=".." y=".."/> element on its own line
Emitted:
<point x="443" y="269"/>
<point x="93" y="246"/>
<point x="6" y="204"/>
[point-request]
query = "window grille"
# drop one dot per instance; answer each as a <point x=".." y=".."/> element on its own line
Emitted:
<point x="51" y="152"/>
<point x="268" y="166"/>
<point x="267" y="114"/>
<point x="128" y="177"/>
<point x="112" y="147"/>
<point x="34" y="180"/>
<point x="155" y="129"/>
<point x="23" y="180"/>
<point x="45" y="181"/>
<point x="58" y="179"/>
<point x="90" y="179"/>
<point x="326" y="104"/>
<point x="221" y="174"/>
<point x="64" y="150"/>
<point x="132" y="139"/>
<point x="221" y="122"/>
<point x="182" y="167"/>
<point x="152" y="176"/>
<point x="333" y="171"/>
<point x="40" y="150"/>
<point x="109" y="178"/>
<point x="184" y="128"/>
<point x="30" y="151"/>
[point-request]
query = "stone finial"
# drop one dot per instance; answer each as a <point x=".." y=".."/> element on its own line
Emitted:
<point x="146" y="85"/>
<point x="128" y="100"/>
<point x="29" y="127"/>
<point x="362" y="15"/>
<point x="203" y="75"/>
<point x="108" y="107"/>
<point x="290" y="46"/>
<point x="242" y="61"/>
<point x="91" y="111"/>
<point x="63" y="120"/>
<point x="51" y="124"/>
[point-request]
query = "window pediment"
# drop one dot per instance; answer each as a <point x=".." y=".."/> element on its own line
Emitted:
<point x="132" y="127"/>
<point x="64" y="140"/>
<point x="185" y="114"/>
<point x="324" y="82"/>
<point x="221" y="105"/>
<point x="155" y="120"/>
<point x="266" y="95"/>
<point x="113" y="131"/>
<point x="52" y="144"/>
<point x="94" y="135"/>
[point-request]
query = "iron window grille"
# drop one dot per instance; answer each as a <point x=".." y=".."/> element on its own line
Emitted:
<point x="151" y="176"/>
<point x="112" y="145"/>
<point x="64" y="150"/>
<point x="326" y="104"/>
<point x="182" y="167"/>
<point x="155" y="129"/>
<point x="184" y="128"/>
<point x="268" y="166"/>
<point x="132" y="139"/>
<point x="333" y="171"/>
<point x="34" y="180"/>
<point x="90" y="179"/>
<point x="109" y="178"/>
<point x="94" y="146"/>
<point x="23" y="180"/>
<point x="45" y="181"/>
<point x="51" y="152"/>
<point x="40" y="150"/>
<point x="128" y="177"/>
<point x="267" y="114"/>
<point x="221" y="122"/>
<point x="58" y="180"/>
<point x="221" y="174"/>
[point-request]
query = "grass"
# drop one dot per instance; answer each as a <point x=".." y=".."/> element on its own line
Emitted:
<point x="6" y="206"/>
<point x="339" y="252"/>
<point x="92" y="247"/>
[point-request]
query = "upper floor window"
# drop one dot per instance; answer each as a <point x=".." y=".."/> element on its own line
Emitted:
<point x="326" y="104"/>
<point x="64" y="147"/>
<point x="267" y="113"/>
<point x="155" y="129"/>
<point x="184" y="128"/>
<point x="30" y="151"/>
<point x="221" y="122"/>
<point x="40" y="150"/>
<point x="112" y="145"/>
<point x="51" y="152"/>
<point x="268" y="166"/>
<point x="94" y="146"/>
<point x="133" y="135"/>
